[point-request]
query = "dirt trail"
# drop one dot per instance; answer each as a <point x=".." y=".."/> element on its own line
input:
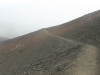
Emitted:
<point x="61" y="37"/>
<point x="85" y="63"/>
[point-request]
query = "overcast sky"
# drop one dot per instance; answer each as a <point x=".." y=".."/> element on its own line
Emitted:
<point x="19" y="17"/>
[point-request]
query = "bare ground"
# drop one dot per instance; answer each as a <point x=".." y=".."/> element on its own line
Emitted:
<point x="68" y="49"/>
<point x="53" y="55"/>
<point x="85" y="63"/>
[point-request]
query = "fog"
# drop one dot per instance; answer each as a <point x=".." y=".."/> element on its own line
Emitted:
<point x="19" y="17"/>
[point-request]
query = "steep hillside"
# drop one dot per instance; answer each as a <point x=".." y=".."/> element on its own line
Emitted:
<point x="85" y="29"/>
<point x="68" y="49"/>
<point x="37" y="53"/>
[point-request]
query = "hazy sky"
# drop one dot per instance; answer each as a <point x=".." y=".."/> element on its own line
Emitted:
<point x="19" y="17"/>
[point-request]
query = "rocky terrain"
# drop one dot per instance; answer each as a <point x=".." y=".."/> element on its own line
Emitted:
<point x="68" y="49"/>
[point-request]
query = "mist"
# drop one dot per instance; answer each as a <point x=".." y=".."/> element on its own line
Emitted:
<point x="21" y="17"/>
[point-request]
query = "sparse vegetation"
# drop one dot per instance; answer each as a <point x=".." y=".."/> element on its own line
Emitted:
<point x="1" y="61"/>
<point x="20" y="50"/>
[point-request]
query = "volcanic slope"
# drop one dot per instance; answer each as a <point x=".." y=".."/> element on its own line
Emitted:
<point x="85" y="29"/>
<point x="60" y="50"/>
<point x="37" y="53"/>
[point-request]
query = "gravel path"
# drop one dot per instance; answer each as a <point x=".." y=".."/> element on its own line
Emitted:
<point x="85" y="63"/>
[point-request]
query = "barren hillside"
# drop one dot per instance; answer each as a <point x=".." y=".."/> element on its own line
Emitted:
<point x="68" y="49"/>
<point x="85" y="29"/>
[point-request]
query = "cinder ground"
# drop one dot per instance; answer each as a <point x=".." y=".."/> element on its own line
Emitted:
<point x="68" y="49"/>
